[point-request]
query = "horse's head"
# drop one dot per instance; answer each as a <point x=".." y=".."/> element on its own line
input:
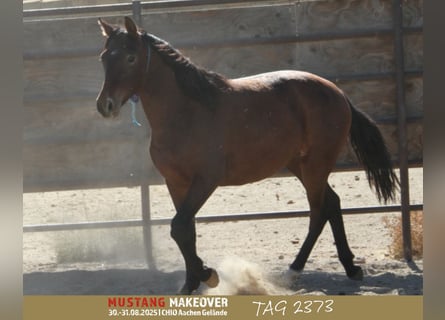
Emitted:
<point x="125" y="60"/>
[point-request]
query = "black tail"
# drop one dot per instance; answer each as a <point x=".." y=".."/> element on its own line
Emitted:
<point x="370" y="148"/>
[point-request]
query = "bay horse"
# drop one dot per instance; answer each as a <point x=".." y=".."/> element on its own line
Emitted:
<point x="210" y="131"/>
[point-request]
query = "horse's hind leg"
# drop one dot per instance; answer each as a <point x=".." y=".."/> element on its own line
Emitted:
<point x="315" y="188"/>
<point x="325" y="206"/>
<point x="336" y="221"/>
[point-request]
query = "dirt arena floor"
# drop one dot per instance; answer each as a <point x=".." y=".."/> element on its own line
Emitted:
<point x="250" y="256"/>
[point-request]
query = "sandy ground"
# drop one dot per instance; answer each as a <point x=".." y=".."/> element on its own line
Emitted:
<point x="250" y="256"/>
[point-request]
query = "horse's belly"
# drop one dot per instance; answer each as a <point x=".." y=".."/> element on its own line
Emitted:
<point x="241" y="177"/>
<point x="249" y="166"/>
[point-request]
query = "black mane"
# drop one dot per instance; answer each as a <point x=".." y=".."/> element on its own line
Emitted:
<point x="197" y="83"/>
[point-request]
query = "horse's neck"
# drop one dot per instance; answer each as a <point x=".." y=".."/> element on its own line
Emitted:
<point x="162" y="99"/>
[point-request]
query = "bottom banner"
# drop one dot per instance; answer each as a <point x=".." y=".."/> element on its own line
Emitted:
<point x="222" y="307"/>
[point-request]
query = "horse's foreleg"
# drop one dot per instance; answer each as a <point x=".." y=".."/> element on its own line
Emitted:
<point x="187" y="203"/>
<point x="185" y="236"/>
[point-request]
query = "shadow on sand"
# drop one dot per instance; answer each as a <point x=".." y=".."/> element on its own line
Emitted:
<point x="385" y="283"/>
<point x="154" y="282"/>
<point x="103" y="282"/>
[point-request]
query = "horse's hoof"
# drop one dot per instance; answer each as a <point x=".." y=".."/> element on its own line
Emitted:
<point x="213" y="280"/>
<point x="356" y="274"/>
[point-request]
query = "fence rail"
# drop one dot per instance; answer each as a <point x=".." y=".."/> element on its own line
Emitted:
<point x="205" y="219"/>
<point x="155" y="6"/>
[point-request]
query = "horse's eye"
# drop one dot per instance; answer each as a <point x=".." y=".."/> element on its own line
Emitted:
<point x="131" y="59"/>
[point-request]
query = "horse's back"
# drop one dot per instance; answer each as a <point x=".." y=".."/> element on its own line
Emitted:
<point x="275" y="117"/>
<point x="298" y="89"/>
<point x="302" y="97"/>
<point x="273" y="78"/>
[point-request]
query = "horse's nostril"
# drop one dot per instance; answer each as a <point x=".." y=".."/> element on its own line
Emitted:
<point x="109" y="105"/>
<point x="105" y="106"/>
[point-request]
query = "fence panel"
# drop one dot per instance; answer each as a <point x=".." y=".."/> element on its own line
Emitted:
<point x="63" y="77"/>
<point x="68" y="145"/>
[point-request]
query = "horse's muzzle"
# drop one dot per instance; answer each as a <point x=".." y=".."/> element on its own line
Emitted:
<point x="107" y="107"/>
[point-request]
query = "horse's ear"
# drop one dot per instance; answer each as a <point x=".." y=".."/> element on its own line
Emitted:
<point x="107" y="30"/>
<point x="130" y="26"/>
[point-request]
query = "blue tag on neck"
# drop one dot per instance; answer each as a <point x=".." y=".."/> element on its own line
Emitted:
<point x="133" y="101"/>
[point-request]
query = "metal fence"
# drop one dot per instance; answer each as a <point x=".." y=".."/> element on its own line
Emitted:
<point x="269" y="24"/>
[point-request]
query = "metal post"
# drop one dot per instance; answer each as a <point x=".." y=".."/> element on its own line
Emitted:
<point x="403" y="143"/>
<point x="137" y="12"/>
<point x="147" y="224"/>
<point x="145" y="190"/>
